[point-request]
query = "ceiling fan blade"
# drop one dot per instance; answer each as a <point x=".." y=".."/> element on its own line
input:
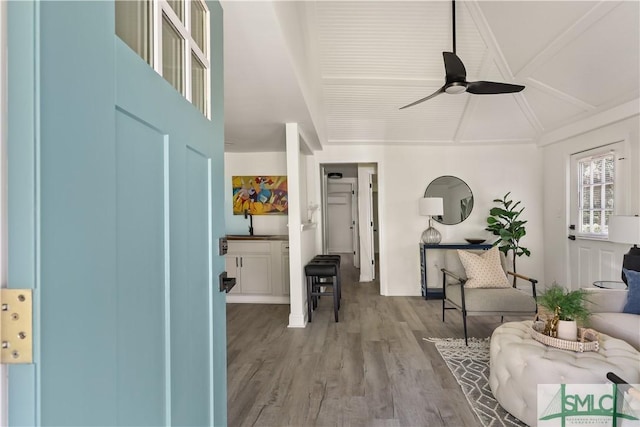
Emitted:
<point x="454" y="67"/>
<point x="491" y="88"/>
<point x="434" y="94"/>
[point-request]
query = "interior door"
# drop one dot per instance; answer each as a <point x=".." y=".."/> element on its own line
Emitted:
<point x="594" y="258"/>
<point x="371" y="239"/>
<point x="112" y="217"/>
<point x="355" y="226"/>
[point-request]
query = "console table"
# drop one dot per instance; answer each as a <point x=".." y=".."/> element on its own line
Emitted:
<point x="438" y="293"/>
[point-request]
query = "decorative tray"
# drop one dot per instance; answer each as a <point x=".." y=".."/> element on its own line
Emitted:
<point x="587" y="339"/>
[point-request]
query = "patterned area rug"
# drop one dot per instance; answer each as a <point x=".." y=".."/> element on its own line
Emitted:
<point x="470" y="367"/>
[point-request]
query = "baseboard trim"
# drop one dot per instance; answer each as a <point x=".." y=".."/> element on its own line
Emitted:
<point x="297" y="320"/>
<point x="257" y="299"/>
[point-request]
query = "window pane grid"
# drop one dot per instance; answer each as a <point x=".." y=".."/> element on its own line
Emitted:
<point x="198" y="24"/>
<point x="178" y="7"/>
<point x="198" y="84"/>
<point x="134" y="25"/>
<point x="176" y="43"/>
<point x="172" y="55"/>
<point x="596" y="198"/>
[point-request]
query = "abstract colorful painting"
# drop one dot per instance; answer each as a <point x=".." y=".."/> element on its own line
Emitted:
<point x="260" y="195"/>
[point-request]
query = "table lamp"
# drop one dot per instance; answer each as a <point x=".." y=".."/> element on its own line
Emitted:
<point x="430" y="206"/>
<point x="626" y="229"/>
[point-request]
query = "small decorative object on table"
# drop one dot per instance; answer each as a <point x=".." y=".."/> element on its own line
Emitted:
<point x="609" y="284"/>
<point x="474" y="241"/>
<point x="568" y="307"/>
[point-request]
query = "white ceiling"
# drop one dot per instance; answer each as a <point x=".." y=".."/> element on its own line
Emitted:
<point x="342" y="69"/>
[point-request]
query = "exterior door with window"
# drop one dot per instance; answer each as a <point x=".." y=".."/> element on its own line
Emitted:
<point x="598" y="187"/>
<point x="114" y="206"/>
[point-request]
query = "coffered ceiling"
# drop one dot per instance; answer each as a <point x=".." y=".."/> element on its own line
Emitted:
<point x="342" y="69"/>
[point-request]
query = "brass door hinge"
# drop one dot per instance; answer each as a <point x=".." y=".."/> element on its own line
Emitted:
<point x="16" y="326"/>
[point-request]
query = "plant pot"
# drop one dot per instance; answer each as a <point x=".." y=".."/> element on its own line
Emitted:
<point x="568" y="330"/>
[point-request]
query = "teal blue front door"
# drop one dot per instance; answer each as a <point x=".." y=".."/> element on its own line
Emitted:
<point x="115" y="208"/>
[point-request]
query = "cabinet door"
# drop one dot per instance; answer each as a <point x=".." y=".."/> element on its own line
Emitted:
<point x="255" y="272"/>
<point x="231" y="266"/>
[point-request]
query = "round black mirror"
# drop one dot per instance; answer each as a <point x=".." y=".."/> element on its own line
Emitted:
<point x="456" y="196"/>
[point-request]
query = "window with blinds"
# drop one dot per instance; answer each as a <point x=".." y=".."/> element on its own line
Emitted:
<point x="596" y="194"/>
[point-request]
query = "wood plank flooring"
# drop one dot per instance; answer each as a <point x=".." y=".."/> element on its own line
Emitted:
<point x="371" y="369"/>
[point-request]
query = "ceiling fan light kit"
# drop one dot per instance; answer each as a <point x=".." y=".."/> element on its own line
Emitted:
<point x="455" y="88"/>
<point x="456" y="76"/>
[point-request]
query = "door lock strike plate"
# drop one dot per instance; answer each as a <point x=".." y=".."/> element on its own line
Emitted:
<point x="223" y="246"/>
<point x="226" y="283"/>
<point x="16" y="326"/>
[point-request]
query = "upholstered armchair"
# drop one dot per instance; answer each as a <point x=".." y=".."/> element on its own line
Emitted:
<point x="484" y="297"/>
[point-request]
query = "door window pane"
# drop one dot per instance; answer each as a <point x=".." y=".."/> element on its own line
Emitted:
<point x="585" y="222"/>
<point x="172" y="55"/>
<point x="178" y="8"/>
<point x="198" y="84"/>
<point x="157" y="31"/>
<point x="586" y="198"/>
<point x="597" y="171"/>
<point x="198" y="24"/>
<point x="134" y="26"/>
<point x="596" y="194"/>
<point x="608" y="197"/>
<point x="585" y="172"/>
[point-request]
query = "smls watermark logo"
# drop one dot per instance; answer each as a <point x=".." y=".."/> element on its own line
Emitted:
<point x="593" y="405"/>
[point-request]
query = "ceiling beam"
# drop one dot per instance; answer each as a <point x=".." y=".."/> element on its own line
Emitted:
<point x="438" y="142"/>
<point x="381" y="81"/>
<point x="560" y="95"/>
<point x="616" y="114"/>
<point x="580" y="26"/>
<point x="500" y="61"/>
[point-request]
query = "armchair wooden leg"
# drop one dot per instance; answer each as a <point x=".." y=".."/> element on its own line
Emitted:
<point x="501" y="319"/>
<point x="443" y="309"/>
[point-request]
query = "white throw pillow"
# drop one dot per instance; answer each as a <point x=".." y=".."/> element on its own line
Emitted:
<point x="484" y="270"/>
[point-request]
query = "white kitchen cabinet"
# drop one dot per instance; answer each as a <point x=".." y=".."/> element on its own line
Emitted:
<point x="260" y="271"/>
<point x="285" y="268"/>
<point x="255" y="274"/>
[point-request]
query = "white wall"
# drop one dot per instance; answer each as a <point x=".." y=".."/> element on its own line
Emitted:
<point x="238" y="164"/>
<point x="556" y="186"/>
<point x="403" y="175"/>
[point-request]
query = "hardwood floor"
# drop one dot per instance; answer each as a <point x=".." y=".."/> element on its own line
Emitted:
<point x="371" y="369"/>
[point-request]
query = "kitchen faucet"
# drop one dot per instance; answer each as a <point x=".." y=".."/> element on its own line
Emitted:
<point x="247" y="214"/>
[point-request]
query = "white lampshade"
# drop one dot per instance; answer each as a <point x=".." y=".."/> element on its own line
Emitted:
<point x="624" y="229"/>
<point x="431" y="206"/>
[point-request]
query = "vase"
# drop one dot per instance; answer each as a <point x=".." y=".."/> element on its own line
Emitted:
<point x="568" y="330"/>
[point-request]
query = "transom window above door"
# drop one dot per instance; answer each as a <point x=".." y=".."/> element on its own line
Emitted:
<point x="172" y="36"/>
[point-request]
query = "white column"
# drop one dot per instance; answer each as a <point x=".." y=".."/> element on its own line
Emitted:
<point x="297" y="316"/>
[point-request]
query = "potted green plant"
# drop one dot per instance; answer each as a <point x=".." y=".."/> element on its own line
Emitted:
<point x="571" y="307"/>
<point x="504" y="221"/>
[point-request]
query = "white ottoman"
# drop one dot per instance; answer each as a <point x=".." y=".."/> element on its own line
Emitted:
<point x="519" y="363"/>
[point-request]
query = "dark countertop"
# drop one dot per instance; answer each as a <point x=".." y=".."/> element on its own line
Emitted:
<point x="257" y="237"/>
